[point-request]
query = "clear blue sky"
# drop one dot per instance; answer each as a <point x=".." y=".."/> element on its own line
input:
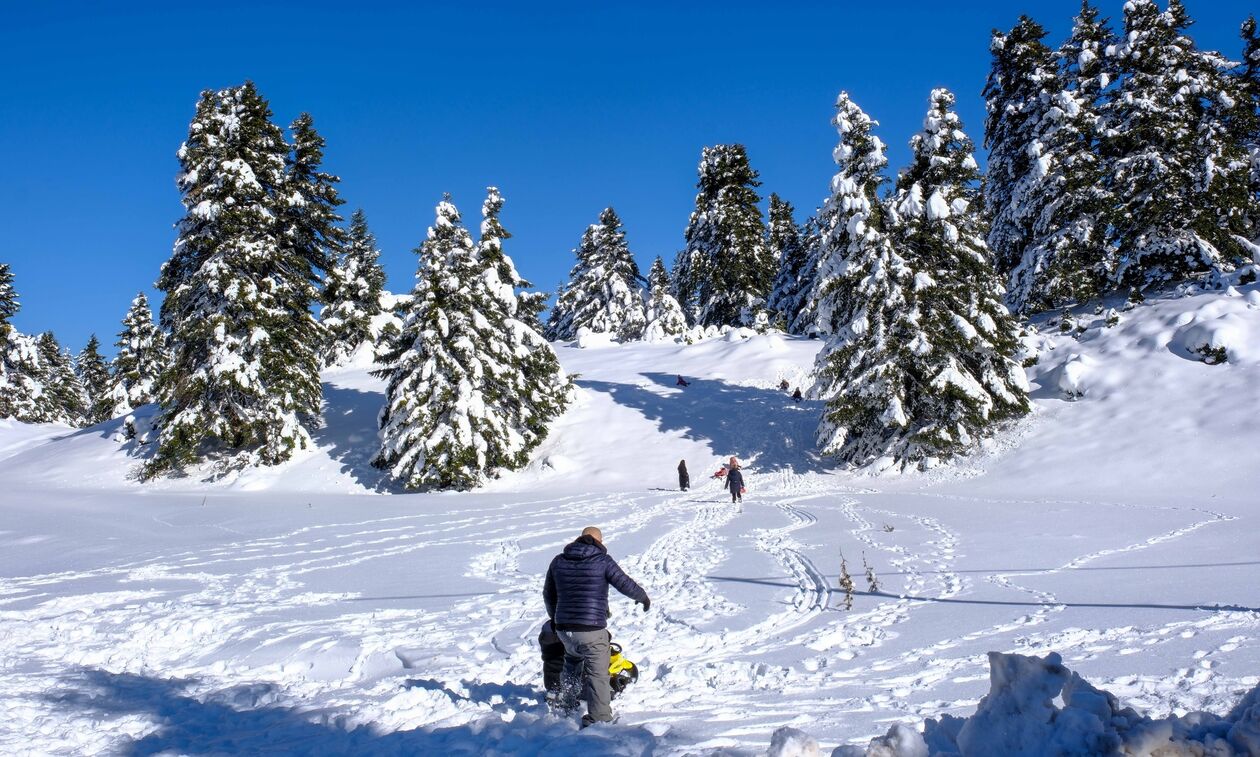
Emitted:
<point x="566" y="107"/>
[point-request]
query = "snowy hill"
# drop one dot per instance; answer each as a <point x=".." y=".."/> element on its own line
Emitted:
<point x="295" y="609"/>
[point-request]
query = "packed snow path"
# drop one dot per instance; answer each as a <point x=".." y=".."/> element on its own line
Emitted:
<point x="265" y="614"/>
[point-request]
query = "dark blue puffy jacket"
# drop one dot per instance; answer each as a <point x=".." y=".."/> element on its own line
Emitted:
<point x="576" y="590"/>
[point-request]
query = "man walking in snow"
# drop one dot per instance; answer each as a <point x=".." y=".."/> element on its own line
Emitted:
<point x="576" y="596"/>
<point x="684" y="479"/>
<point x="735" y="482"/>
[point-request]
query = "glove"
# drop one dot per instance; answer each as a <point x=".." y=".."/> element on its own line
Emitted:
<point x="647" y="602"/>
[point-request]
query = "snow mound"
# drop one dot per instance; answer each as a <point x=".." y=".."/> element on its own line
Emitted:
<point x="791" y="742"/>
<point x="1019" y="718"/>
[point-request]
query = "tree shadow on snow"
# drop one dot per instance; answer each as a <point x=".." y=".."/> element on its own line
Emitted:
<point x="763" y="427"/>
<point x="245" y="719"/>
<point x="350" y="433"/>
<point x="772" y="581"/>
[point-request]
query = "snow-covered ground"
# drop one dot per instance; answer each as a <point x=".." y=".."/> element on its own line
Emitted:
<point x="300" y="610"/>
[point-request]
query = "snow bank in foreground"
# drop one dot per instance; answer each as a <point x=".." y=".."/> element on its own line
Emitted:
<point x="1019" y="717"/>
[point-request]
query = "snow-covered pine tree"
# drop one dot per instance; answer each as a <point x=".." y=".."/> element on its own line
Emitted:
<point x="537" y="387"/>
<point x="19" y="359"/>
<point x="311" y="244"/>
<point x="605" y="290"/>
<point x="1065" y="260"/>
<point x="937" y="372"/>
<point x="1177" y="178"/>
<point x="806" y="320"/>
<point x="140" y="359"/>
<point x="450" y="419"/>
<point x="665" y="317"/>
<point x="1022" y="80"/>
<point x="724" y="274"/>
<point x="64" y="399"/>
<point x="352" y="293"/>
<point x="1246" y="117"/>
<point x="847" y="214"/>
<point x="864" y="295"/>
<point x="242" y="380"/>
<point x="93" y="374"/>
<point x="786" y="243"/>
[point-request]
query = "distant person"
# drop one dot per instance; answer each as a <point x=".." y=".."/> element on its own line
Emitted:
<point x="783" y="385"/>
<point x="735" y="482"/>
<point x="682" y="381"/>
<point x="576" y="597"/>
<point x="684" y="480"/>
<point x="796" y="395"/>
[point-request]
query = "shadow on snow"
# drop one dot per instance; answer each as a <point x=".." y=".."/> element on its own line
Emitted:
<point x="245" y="719"/>
<point x="763" y="427"/>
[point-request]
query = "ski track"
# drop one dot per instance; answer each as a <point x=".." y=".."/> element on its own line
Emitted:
<point x="183" y="613"/>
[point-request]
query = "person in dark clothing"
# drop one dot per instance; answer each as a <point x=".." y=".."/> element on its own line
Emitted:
<point x="796" y="395"/>
<point x="682" y="381"/>
<point x="576" y="596"/>
<point x="783" y="385"/>
<point x="735" y="482"/>
<point x="684" y="480"/>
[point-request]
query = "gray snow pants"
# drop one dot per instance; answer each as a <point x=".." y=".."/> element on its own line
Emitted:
<point x="586" y="654"/>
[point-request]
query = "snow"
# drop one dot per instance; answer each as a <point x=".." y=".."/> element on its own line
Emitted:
<point x="311" y="608"/>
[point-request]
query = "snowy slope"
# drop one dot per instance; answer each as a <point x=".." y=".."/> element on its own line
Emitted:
<point x="296" y="610"/>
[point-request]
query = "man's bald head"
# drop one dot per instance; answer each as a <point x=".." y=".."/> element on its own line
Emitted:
<point x="594" y="532"/>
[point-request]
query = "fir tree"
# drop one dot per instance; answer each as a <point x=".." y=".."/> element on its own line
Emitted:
<point x="538" y="386"/>
<point x="786" y="243"/>
<point x="1065" y="259"/>
<point x="1022" y="79"/>
<point x="864" y="296"/>
<point x="459" y="405"/>
<point x="665" y="317"/>
<point x="1177" y="178"/>
<point x="64" y="399"/>
<point x="604" y="293"/>
<point x="19" y="359"/>
<point x="93" y="375"/>
<point x="924" y="366"/>
<point x="243" y="375"/>
<point x="852" y="214"/>
<point x="1246" y="117"/>
<point x="806" y="320"/>
<point x="352" y="293"/>
<point x="724" y="274"/>
<point x="140" y="360"/>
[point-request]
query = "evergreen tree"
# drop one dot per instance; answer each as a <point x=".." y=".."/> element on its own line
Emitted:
<point x="864" y="294"/>
<point x="665" y="317"/>
<point x="64" y="399"/>
<point x="19" y="359"/>
<point x="243" y="375"/>
<point x="140" y="359"/>
<point x="1177" y="177"/>
<point x="466" y="398"/>
<point x="1065" y="260"/>
<point x="93" y="374"/>
<point x="537" y="387"/>
<point x="786" y="243"/>
<point x="806" y="320"/>
<point x="1022" y="80"/>
<point x="1246" y="117"/>
<point x="724" y="274"/>
<point x="604" y="293"/>
<point x="925" y="365"/>
<point x="352" y="293"/>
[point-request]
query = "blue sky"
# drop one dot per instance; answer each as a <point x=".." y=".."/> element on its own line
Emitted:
<point x="567" y="107"/>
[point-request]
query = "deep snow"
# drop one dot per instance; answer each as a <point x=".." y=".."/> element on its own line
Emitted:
<point x="297" y="610"/>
